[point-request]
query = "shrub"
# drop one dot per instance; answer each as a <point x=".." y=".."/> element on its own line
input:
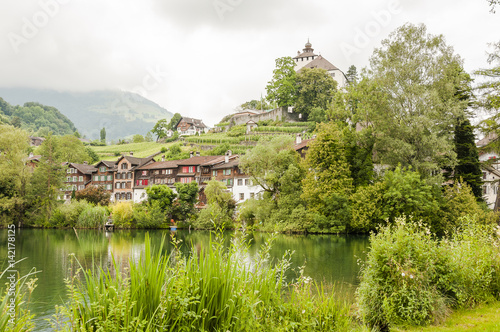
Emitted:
<point x="213" y="217"/>
<point x="67" y="214"/>
<point x="148" y="215"/>
<point x="94" y="194"/>
<point x="398" y="278"/>
<point x="92" y="217"/>
<point x="123" y="214"/>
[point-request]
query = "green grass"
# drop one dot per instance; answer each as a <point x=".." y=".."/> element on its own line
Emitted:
<point x="140" y="150"/>
<point x="483" y="318"/>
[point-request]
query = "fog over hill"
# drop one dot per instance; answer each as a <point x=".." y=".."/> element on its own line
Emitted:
<point x="121" y="113"/>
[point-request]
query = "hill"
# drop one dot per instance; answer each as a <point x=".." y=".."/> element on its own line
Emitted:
<point x="34" y="116"/>
<point x="121" y="113"/>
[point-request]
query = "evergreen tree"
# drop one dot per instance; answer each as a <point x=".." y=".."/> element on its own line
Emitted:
<point x="103" y="135"/>
<point x="468" y="167"/>
<point x="352" y="75"/>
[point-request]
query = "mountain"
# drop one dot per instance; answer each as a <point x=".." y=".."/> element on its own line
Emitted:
<point x="121" y="113"/>
<point x="34" y="116"/>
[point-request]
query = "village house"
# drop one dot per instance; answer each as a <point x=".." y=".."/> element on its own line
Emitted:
<point x="157" y="173"/>
<point x="190" y="126"/>
<point x="104" y="175"/>
<point x="124" y="176"/>
<point x="78" y="177"/>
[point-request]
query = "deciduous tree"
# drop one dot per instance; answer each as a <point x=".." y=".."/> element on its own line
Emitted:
<point x="315" y="89"/>
<point x="282" y="89"/>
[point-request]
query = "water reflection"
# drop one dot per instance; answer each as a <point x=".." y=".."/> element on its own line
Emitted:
<point x="327" y="258"/>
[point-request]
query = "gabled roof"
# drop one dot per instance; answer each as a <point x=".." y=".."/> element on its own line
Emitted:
<point x="136" y="162"/>
<point x="108" y="163"/>
<point x="304" y="55"/>
<point x="84" y="168"/>
<point x="195" y="122"/>
<point x="232" y="163"/>
<point x="320" y="62"/>
<point x="160" y="165"/>
<point x="303" y="144"/>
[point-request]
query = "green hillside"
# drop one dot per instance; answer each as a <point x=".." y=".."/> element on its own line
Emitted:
<point x="36" y="118"/>
<point x="121" y="113"/>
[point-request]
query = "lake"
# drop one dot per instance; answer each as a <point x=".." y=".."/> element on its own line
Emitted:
<point x="327" y="258"/>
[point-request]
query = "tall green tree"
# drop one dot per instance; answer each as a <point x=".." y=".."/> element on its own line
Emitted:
<point x="160" y="129"/>
<point x="163" y="196"/>
<point x="183" y="208"/>
<point x="352" y="75"/>
<point x="315" y="89"/>
<point x="174" y="121"/>
<point x="468" y="167"/>
<point x="103" y="135"/>
<point x="47" y="179"/>
<point x="282" y="89"/>
<point x="14" y="174"/>
<point x="71" y="149"/>
<point x="328" y="183"/>
<point x="419" y="75"/>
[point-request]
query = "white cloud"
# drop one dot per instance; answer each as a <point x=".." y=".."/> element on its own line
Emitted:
<point x="210" y="65"/>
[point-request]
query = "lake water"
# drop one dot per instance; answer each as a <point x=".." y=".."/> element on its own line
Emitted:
<point x="327" y="258"/>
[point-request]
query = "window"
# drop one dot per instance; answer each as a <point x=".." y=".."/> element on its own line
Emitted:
<point x="103" y="177"/>
<point x="129" y="175"/>
<point x="485" y="190"/>
<point x="156" y="172"/>
<point x="144" y="173"/>
<point x="68" y="179"/>
<point x="248" y="182"/>
<point x="252" y="195"/>
<point x="75" y="179"/>
<point x="123" y="196"/>
<point x="110" y="178"/>
<point x="80" y="179"/>
<point x="484" y="175"/>
<point x="68" y="170"/>
<point x="198" y="169"/>
<point x="102" y="169"/>
<point x="109" y="186"/>
<point x="96" y="178"/>
<point x="186" y="180"/>
<point x="81" y="187"/>
<point x="242" y="196"/>
<point x="226" y="171"/>
<point x="129" y="196"/>
<point x="117" y="185"/>
<point x="124" y="185"/>
<point x="124" y="166"/>
<point x="169" y="171"/>
<point x="240" y="182"/>
<point x="117" y="196"/>
<point x="214" y="173"/>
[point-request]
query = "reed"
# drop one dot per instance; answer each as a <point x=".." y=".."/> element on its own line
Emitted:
<point x="212" y="289"/>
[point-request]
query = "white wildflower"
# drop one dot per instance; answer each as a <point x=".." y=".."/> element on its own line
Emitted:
<point x="403" y="274"/>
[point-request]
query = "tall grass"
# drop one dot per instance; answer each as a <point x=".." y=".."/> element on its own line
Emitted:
<point x="213" y="289"/>
<point x="23" y="319"/>
<point x="92" y="217"/>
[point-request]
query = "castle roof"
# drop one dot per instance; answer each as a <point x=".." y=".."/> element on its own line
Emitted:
<point x="322" y="63"/>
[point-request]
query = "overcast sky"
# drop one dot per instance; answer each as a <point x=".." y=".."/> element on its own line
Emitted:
<point x="202" y="58"/>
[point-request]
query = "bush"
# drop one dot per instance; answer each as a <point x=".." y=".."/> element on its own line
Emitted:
<point x="67" y="214"/>
<point x="123" y="214"/>
<point x="149" y="215"/>
<point x="94" y="194"/>
<point x="411" y="277"/>
<point x="213" y="217"/>
<point x="398" y="278"/>
<point x="92" y="217"/>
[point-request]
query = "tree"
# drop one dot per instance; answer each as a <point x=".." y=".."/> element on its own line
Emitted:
<point x="493" y="3"/>
<point x="103" y="135"/>
<point x="94" y="157"/>
<point x="148" y="137"/>
<point x="163" y="196"/>
<point x="183" y="208"/>
<point x="315" y="89"/>
<point x="138" y="138"/>
<point x="16" y="122"/>
<point x="47" y="179"/>
<point x="14" y="174"/>
<point x="255" y="105"/>
<point x="419" y="75"/>
<point x="328" y="183"/>
<point x="174" y="121"/>
<point x="93" y="194"/>
<point x="274" y="166"/>
<point x="71" y="149"/>
<point x="468" y="168"/>
<point x="352" y="75"/>
<point x="221" y="205"/>
<point x="160" y="129"/>
<point x="282" y="88"/>
<point x="489" y="98"/>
